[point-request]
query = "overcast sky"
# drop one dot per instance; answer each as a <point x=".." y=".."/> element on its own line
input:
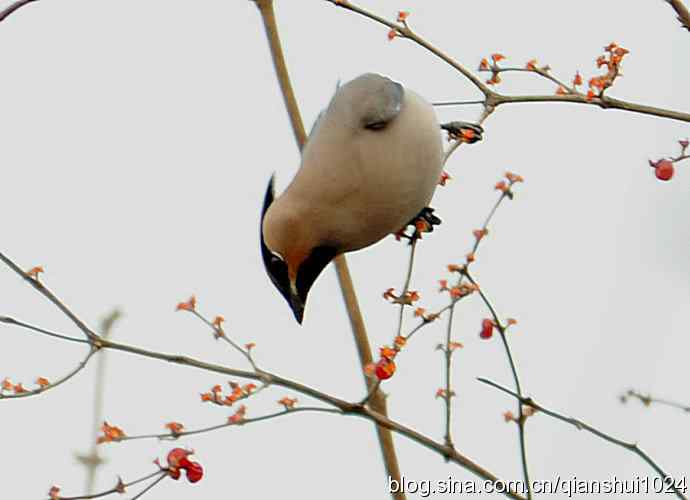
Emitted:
<point x="137" y="141"/>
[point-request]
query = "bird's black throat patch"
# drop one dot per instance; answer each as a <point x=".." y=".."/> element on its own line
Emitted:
<point x="311" y="268"/>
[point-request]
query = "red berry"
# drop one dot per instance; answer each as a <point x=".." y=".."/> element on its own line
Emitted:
<point x="385" y="369"/>
<point x="176" y="456"/>
<point x="487" y="329"/>
<point x="664" y="170"/>
<point x="194" y="472"/>
<point x="174" y="473"/>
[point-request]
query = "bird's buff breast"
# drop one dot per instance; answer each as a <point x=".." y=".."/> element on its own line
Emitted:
<point x="378" y="181"/>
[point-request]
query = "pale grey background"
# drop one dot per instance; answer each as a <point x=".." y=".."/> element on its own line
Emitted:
<point x="137" y="139"/>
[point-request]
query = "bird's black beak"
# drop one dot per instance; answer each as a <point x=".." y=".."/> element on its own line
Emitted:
<point x="297" y="306"/>
<point x="308" y="271"/>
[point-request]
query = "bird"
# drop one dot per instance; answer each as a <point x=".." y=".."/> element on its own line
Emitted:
<point x="370" y="165"/>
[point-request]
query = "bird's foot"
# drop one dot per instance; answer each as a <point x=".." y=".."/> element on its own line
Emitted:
<point x="424" y="222"/>
<point x="465" y="131"/>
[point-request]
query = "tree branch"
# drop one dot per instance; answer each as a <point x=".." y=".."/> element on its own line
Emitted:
<point x="521" y="418"/>
<point x="120" y="487"/>
<point x="345" y="407"/>
<point x="174" y="436"/>
<point x="377" y="401"/>
<point x="88" y="332"/>
<point x="580" y="425"/>
<point x="14" y="7"/>
<point x="49" y="386"/>
<point x="648" y="400"/>
<point x="494" y="99"/>
<point x="12" y="321"/>
<point x="682" y="11"/>
<point x="404" y="31"/>
<point x="604" y="102"/>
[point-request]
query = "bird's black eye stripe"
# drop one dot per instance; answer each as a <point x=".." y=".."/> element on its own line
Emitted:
<point x="311" y="268"/>
<point x="278" y="273"/>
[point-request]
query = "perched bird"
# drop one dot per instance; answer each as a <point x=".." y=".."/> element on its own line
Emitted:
<point x="370" y="166"/>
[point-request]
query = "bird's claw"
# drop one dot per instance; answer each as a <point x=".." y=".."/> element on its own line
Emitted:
<point x="469" y="132"/>
<point x="427" y="215"/>
<point x="424" y="222"/>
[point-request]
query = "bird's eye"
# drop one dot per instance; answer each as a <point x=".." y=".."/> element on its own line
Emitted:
<point x="375" y="125"/>
<point x="277" y="265"/>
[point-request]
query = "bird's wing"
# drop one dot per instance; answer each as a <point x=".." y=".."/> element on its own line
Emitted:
<point x="316" y="123"/>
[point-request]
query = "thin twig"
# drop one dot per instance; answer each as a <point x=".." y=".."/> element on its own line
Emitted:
<point x="516" y="379"/>
<point x="453" y="147"/>
<point x="647" y="400"/>
<point x="52" y="385"/>
<point x="580" y="425"/>
<point x="408" y="278"/>
<point x="458" y="103"/>
<point x="543" y="72"/>
<point x="162" y="473"/>
<point x="448" y="351"/>
<point x="88" y="332"/>
<point x="148" y="488"/>
<point x="12" y="321"/>
<point x="245" y="421"/>
<point x="222" y="335"/>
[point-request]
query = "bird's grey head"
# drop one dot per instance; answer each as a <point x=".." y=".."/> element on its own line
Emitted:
<point x="370" y="101"/>
<point x="295" y="262"/>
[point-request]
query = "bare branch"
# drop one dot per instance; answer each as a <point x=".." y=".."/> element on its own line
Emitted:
<point x="494" y="99"/>
<point x="404" y="31"/>
<point x="543" y="72"/>
<point x="49" y="386"/>
<point x="580" y="425"/>
<point x="90" y="334"/>
<point x="347" y="288"/>
<point x="120" y="486"/>
<point x="347" y="408"/>
<point x="604" y="102"/>
<point x="12" y="321"/>
<point x="220" y="334"/>
<point x="174" y="436"/>
<point x="14" y="7"/>
<point x="648" y="400"/>
<point x="521" y="419"/>
<point x="682" y="11"/>
<point x="448" y="395"/>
